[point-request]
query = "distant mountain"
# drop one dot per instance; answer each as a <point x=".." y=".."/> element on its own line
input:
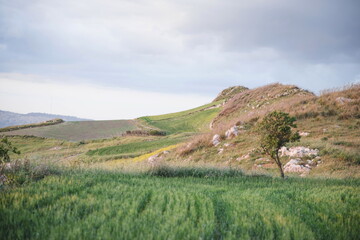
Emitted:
<point x="11" y="118"/>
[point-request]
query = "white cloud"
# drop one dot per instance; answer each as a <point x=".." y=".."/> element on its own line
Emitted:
<point x="20" y="93"/>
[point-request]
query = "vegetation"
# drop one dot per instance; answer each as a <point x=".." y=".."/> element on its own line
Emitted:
<point x="190" y="122"/>
<point x="135" y="148"/>
<point x="275" y="130"/>
<point x="105" y="205"/>
<point x="5" y="149"/>
<point x="42" y="124"/>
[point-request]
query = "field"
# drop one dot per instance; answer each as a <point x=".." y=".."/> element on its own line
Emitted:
<point x="180" y="204"/>
<point x="193" y="120"/>
<point x="79" y="131"/>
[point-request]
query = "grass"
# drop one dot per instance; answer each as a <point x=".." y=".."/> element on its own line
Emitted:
<point x="78" y="131"/>
<point x="135" y="147"/>
<point x="105" y="205"/>
<point x="193" y="122"/>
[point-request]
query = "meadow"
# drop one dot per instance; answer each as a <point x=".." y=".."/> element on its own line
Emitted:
<point x="180" y="204"/>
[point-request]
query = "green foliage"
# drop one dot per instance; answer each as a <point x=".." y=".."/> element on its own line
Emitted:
<point x="5" y="149"/>
<point x="276" y="131"/>
<point x="104" y="205"/>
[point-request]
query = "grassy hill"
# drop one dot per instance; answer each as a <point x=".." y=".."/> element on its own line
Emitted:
<point x="193" y="120"/>
<point x="331" y="121"/>
<point x="103" y="184"/>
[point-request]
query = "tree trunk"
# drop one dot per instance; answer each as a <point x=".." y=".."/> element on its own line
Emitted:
<point x="280" y="166"/>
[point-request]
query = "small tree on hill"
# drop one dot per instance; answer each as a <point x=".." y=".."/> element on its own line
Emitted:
<point x="276" y="131"/>
<point x="6" y="148"/>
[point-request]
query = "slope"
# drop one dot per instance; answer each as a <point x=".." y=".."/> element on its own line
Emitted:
<point x="78" y="131"/>
<point x="329" y="123"/>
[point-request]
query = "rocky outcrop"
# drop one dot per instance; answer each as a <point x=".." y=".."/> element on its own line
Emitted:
<point x="216" y="140"/>
<point x="232" y="132"/>
<point x="343" y="100"/>
<point x="296" y="166"/>
<point x="157" y="157"/>
<point x="299" y="152"/>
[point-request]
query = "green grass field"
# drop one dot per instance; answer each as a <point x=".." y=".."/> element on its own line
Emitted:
<point x="78" y="131"/>
<point x="105" y="205"/>
<point x="136" y="148"/>
<point x="193" y="120"/>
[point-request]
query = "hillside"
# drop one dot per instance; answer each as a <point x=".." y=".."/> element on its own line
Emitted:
<point x="205" y="177"/>
<point x="81" y="130"/>
<point x="329" y="124"/>
<point x="10" y="118"/>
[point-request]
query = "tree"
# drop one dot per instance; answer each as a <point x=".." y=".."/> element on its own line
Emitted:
<point x="276" y="130"/>
<point x="6" y="148"/>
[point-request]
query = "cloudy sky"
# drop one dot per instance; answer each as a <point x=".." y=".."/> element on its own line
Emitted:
<point x="113" y="59"/>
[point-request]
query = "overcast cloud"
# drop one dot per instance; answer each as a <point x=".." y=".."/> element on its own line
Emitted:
<point x="179" y="47"/>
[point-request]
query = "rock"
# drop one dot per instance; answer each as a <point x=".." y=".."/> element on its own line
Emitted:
<point x="216" y="140"/>
<point x="304" y="134"/>
<point x="295" y="166"/>
<point x="232" y="132"/>
<point x="227" y="144"/>
<point x="239" y="159"/>
<point x="153" y="159"/>
<point x="262" y="160"/>
<point x="343" y="100"/>
<point x="55" y="148"/>
<point x="299" y="152"/>
<point x="221" y="150"/>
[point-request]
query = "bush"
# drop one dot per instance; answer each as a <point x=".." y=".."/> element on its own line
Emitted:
<point x="22" y="171"/>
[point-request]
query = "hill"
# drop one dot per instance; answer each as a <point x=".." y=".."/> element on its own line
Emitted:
<point x="81" y="130"/>
<point x="329" y="124"/>
<point x="205" y="177"/>
<point x="10" y="118"/>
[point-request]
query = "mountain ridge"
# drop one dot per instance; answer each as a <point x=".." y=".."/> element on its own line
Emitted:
<point x="8" y="118"/>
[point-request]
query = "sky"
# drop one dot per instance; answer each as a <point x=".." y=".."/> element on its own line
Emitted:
<point x="116" y="59"/>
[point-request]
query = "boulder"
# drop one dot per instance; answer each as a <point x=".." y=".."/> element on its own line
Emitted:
<point x="299" y="152"/>
<point x="216" y="140"/>
<point x="295" y="166"/>
<point x="232" y="132"/>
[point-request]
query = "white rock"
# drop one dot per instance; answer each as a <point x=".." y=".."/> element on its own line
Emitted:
<point x="221" y="150"/>
<point x="153" y="159"/>
<point x="343" y="100"/>
<point x="294" y="166"/>
<point x="216" y="140"/>
<point x="232" y="132"/>
<point x="304" y="134"/>
<point x="298" y="152"/>
<point x="239" y="159"/>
